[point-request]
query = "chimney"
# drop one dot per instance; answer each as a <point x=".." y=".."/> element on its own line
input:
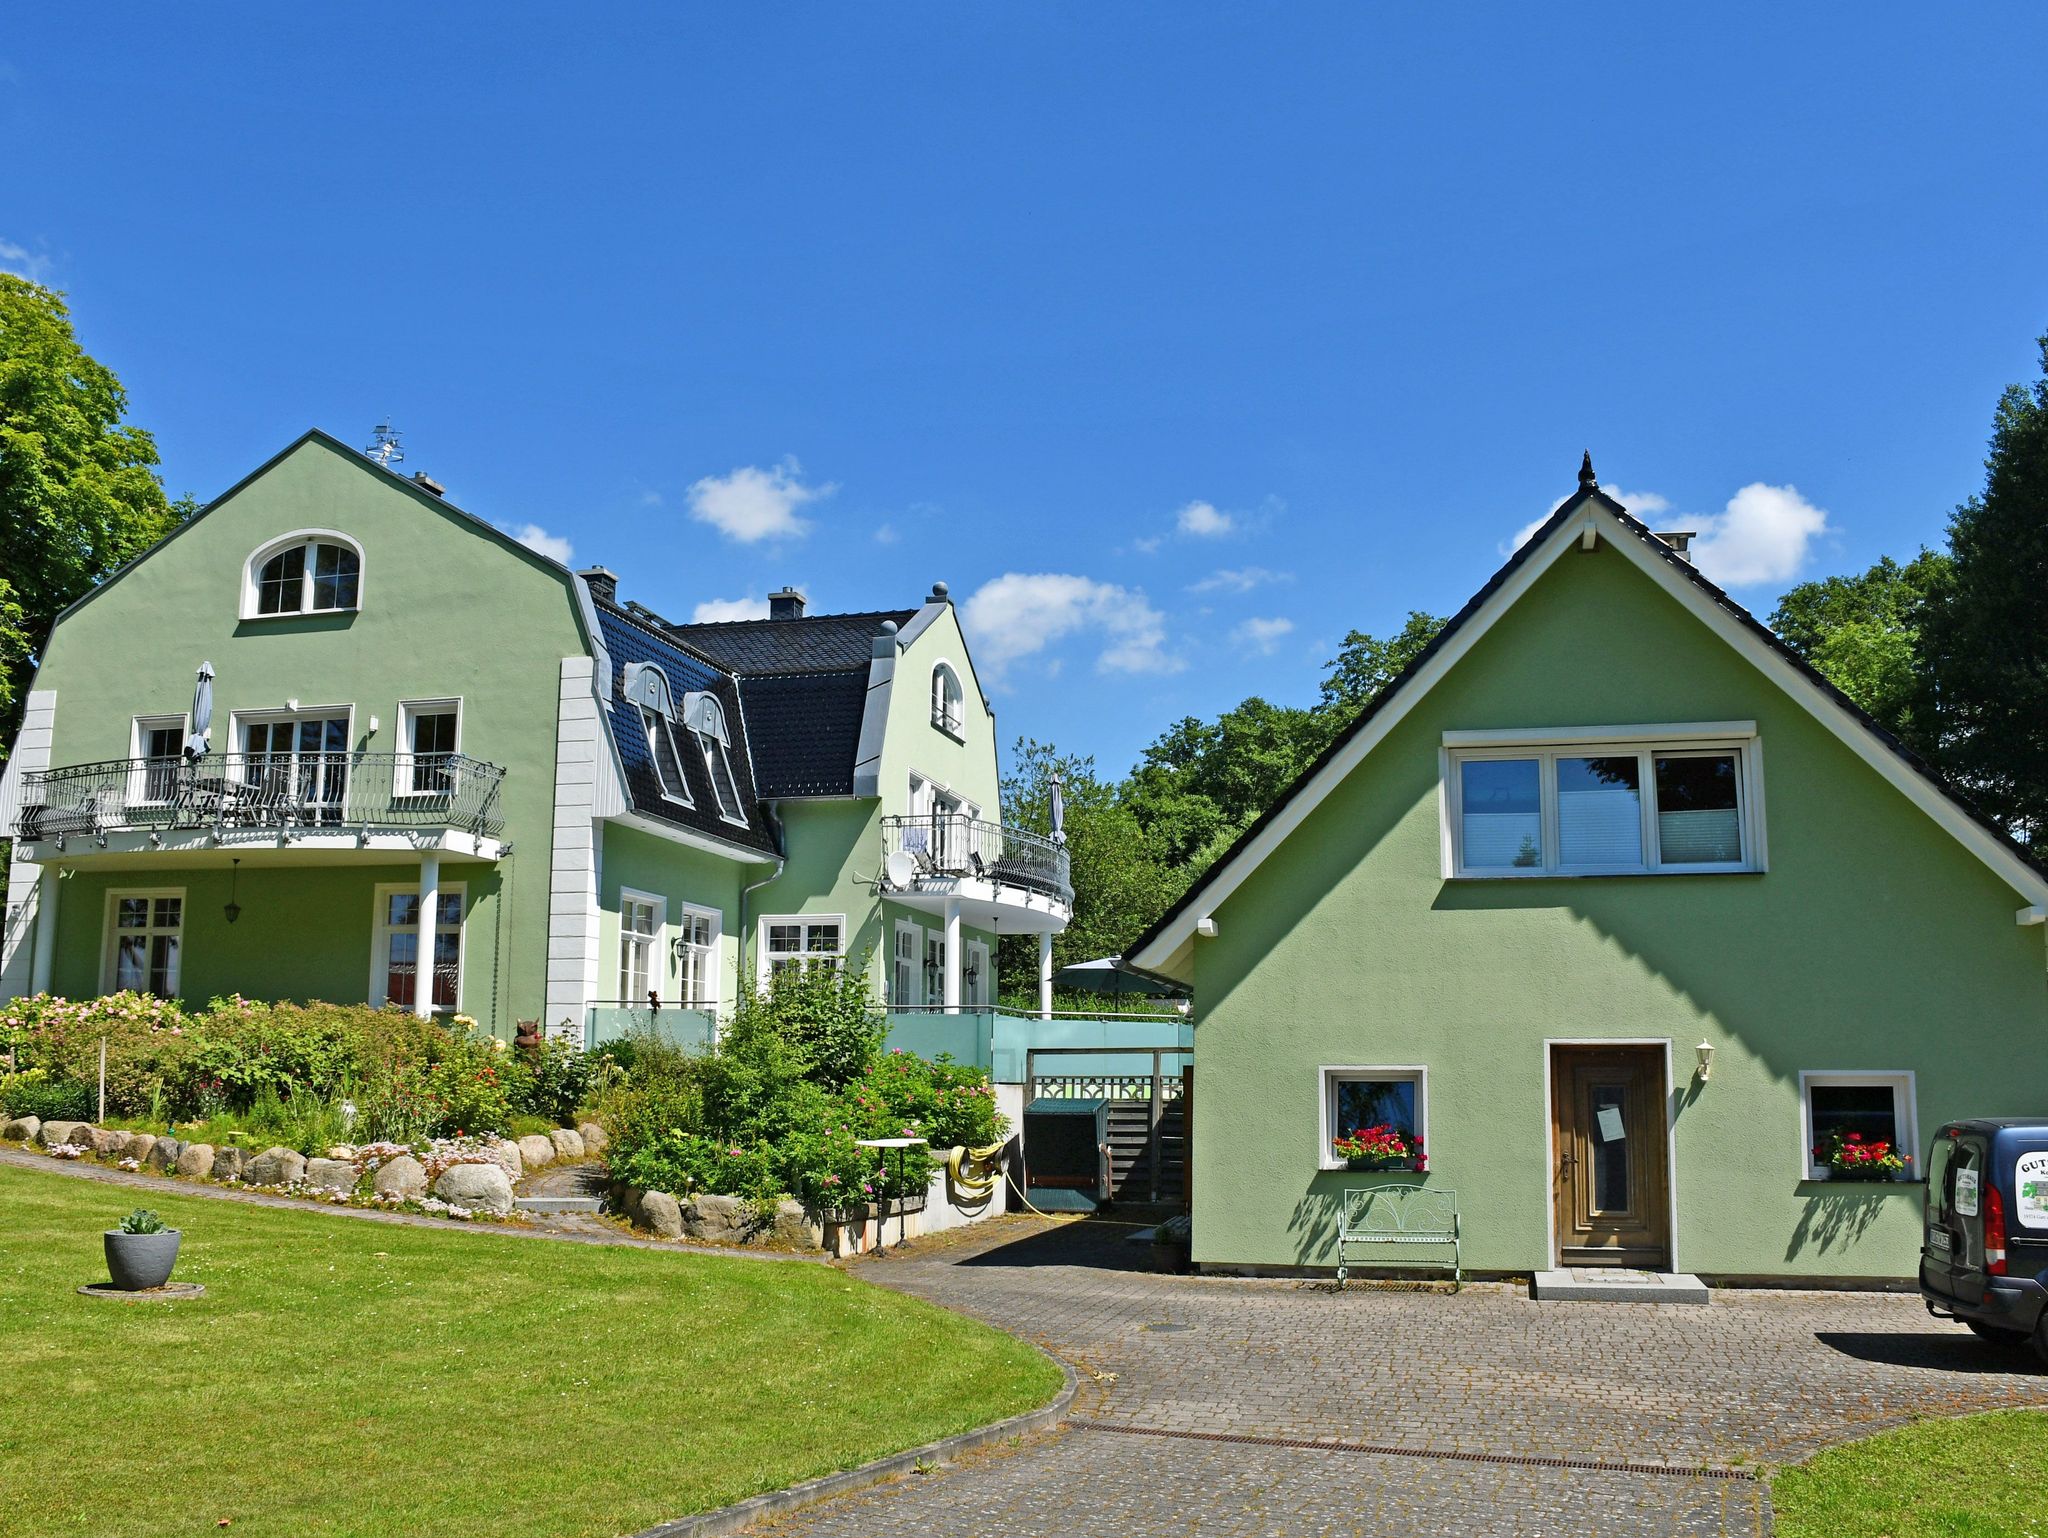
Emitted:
<point x="603" y="584"/>
<point x="787" y="604"/>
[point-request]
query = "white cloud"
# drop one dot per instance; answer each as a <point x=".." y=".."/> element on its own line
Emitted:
<point x="1149" y="545"/>
<point x="1644" y="504"/>
<point x="1262" y="636"/>
<point x="1764" y="536"/>
<point x="887" y="534"/>
<point x="1018" y="614"/>
<point x="714" y="610"/>
<point x="751" y="504"/>
<point x="1204" y="520"/>
<point x="553" y="546"/>
<point x="1238" y="580"/>
<point x="22" y="262"/>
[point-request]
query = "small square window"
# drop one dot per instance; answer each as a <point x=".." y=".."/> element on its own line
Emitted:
<point x="1848" y="1115"/>
<point x="1503" y="813"/>
<point x="1360" y="1099"/>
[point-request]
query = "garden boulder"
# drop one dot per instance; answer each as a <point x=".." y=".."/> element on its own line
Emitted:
<point x="163" y="1154"/>
<point x="404" y="1177"/>
<point x="195" y="1159"/>
<point x="230" y="1163"/>
<point x="22" y="1129"/>
<point x="536" y="1151"/>
<point x="479" y="1187"/>
<point x="594" y="1137"/>
<point x="331" y="1174"/>
<point x="114" y="1145"/>
<point x="276" y="1167"/>
<point x="793" y="1225"/>
<point x="506" y="1156"/>
<point x="662" y="1213"/>
<point x="568" y="1145"/>
<point x="139" y="1145"/>
<point x="718" y="1218"/>
<point x="51" y="1133"/>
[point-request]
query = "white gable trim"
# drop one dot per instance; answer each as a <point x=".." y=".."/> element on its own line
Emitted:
<point x="1592" y="521"/>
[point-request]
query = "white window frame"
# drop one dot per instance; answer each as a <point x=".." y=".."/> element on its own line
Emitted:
<point x="714" y="981"/>
<point x="111" y="937"/>
<point x="1330" y="1075"/>
<point x="949" y="700"/>
<point x="765" y="960"/>
<point x="913" y="997"/>
<point x="240" y="721"/>
<point x="381" y="932"/>
<point x="634" y="681"/>
<point x="403" y="766"/>
<point x="1645" y="744"/>
<point x="138" y="752"/>
<point x="1905" y="1111"/>
<point x="657" y="943"/>
<point x="309" y="538"/>
<point x="981" y="994"/>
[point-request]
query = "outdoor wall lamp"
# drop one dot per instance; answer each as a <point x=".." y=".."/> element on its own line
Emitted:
<point x="1705" y="1053"/>
<point x="234" y="909"/>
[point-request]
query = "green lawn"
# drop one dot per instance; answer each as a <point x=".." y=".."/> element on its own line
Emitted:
<point x="1980" y="1476"/>
<point x="348" y="1377"/>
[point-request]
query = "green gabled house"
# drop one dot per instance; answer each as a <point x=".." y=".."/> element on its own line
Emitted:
<point x="446" y="772"/>
<point x="1632" y="920"/>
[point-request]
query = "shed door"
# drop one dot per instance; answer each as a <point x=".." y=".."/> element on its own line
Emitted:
<point x="1607" y="1129"/>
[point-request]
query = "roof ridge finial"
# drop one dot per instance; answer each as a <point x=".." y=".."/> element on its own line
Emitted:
<point x="1586" y="480"/>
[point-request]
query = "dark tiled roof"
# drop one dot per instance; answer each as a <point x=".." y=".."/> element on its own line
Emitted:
<point x="629" y="640"/>
<point x="1528" y="547"/>
<point x="806" y="730"/>
<point x="814" y="644"/>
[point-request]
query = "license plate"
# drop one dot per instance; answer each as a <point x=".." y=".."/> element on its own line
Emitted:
<point x="1937" y="1239"/>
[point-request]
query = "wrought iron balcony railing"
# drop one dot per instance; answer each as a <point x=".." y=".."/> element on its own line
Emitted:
<point x="285" y="791"/>
<point x="948" y="845"/>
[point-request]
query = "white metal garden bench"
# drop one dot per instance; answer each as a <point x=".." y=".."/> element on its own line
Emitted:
<point x="1399" y="1215"/>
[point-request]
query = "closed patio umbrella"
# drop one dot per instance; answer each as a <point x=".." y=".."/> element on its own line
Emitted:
<point x="197" y="744"/>
<point x="1059" y="813"/>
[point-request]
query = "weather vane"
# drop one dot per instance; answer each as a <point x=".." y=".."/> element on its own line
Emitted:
<point x="385" y="449"/>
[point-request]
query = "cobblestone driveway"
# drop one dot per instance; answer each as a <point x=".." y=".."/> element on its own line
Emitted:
<point x="1635" y="1418"/>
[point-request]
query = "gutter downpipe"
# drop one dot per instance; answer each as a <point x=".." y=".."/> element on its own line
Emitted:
<point x="781" y="861"/>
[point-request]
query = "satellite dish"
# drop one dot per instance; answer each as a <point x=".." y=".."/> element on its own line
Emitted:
<point x="900" y="868"/>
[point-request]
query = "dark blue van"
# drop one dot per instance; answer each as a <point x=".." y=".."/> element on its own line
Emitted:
<point x="1984" y="1259"/>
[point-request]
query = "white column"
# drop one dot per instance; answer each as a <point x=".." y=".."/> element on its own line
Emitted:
<point x="430" y="908"/>
<point x="1045" y="975"/>
<point x="45" y="960"/>
<point x="952" y="955"/>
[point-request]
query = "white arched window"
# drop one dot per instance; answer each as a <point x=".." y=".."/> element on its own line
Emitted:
<point x="948" y="712"/>
<point x="314" y="571"/>
<point x="646" y="687"/>
<point x="705" y="718"/>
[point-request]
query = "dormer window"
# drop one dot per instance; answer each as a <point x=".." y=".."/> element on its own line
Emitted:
<point x="646" y="687"/>
<point x="948" y="713"/>
<point x="314" y="571"/>
<point x="705" y="718"/>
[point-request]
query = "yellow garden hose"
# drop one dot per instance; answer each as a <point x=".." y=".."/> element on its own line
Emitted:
<point x="973" y="1172"/>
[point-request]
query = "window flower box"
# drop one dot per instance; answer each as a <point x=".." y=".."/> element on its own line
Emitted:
<point x="1381" y="1149"/>
<point x="1853" y="1157"/>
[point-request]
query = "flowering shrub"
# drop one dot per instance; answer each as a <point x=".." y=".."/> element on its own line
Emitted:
<point x="468" y="1094"/>
<point x="1381" y="1147"/>
<point x="1852" y="1156"/>
<point x="33" y="1093"/>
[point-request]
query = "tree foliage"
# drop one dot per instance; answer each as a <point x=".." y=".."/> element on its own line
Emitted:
<point x="1862" y="634"/>
<point x="1985" y="633"/>
<point x="79" y="494"/>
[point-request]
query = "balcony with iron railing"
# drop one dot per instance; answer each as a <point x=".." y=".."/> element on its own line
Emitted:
<point x="946" y="847"/>
<point x="285" y="793"/>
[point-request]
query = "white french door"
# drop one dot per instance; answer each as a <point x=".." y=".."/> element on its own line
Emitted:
<point x="299" y="764"/>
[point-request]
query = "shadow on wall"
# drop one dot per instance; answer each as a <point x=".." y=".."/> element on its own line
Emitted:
<point x="1313" y="1223"/>
<point x="1834" y="1220"/>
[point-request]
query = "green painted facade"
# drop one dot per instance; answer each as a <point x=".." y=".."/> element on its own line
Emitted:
<point x="437" y="592"/>
<point x="1874" y="941"/>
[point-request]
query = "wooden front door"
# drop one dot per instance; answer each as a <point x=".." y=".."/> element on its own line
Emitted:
<point x="1608" y="1146"/>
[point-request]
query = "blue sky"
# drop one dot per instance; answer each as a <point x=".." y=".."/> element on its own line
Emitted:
<point x="1178" y="340"/>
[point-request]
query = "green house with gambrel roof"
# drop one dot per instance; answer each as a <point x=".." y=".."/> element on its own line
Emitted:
<point x="1625" y="913"/>
<point x="446" y="772"/>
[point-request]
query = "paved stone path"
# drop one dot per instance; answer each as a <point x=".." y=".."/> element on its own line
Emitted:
<point x="1635" y="1418"/>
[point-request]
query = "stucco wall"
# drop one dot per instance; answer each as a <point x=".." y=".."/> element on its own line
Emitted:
<point x="659" y="866"/>
<point x="1873" y="942"/>
<point x="448" y="611"/>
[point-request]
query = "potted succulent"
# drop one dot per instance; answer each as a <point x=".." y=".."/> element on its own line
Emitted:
<point x="1382" y="1147"/>
<point x="141" y="1252"/>
<point x="1852" y="1156"/>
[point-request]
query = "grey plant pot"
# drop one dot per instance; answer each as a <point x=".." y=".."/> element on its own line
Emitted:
<point x="137" y="1262"/>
